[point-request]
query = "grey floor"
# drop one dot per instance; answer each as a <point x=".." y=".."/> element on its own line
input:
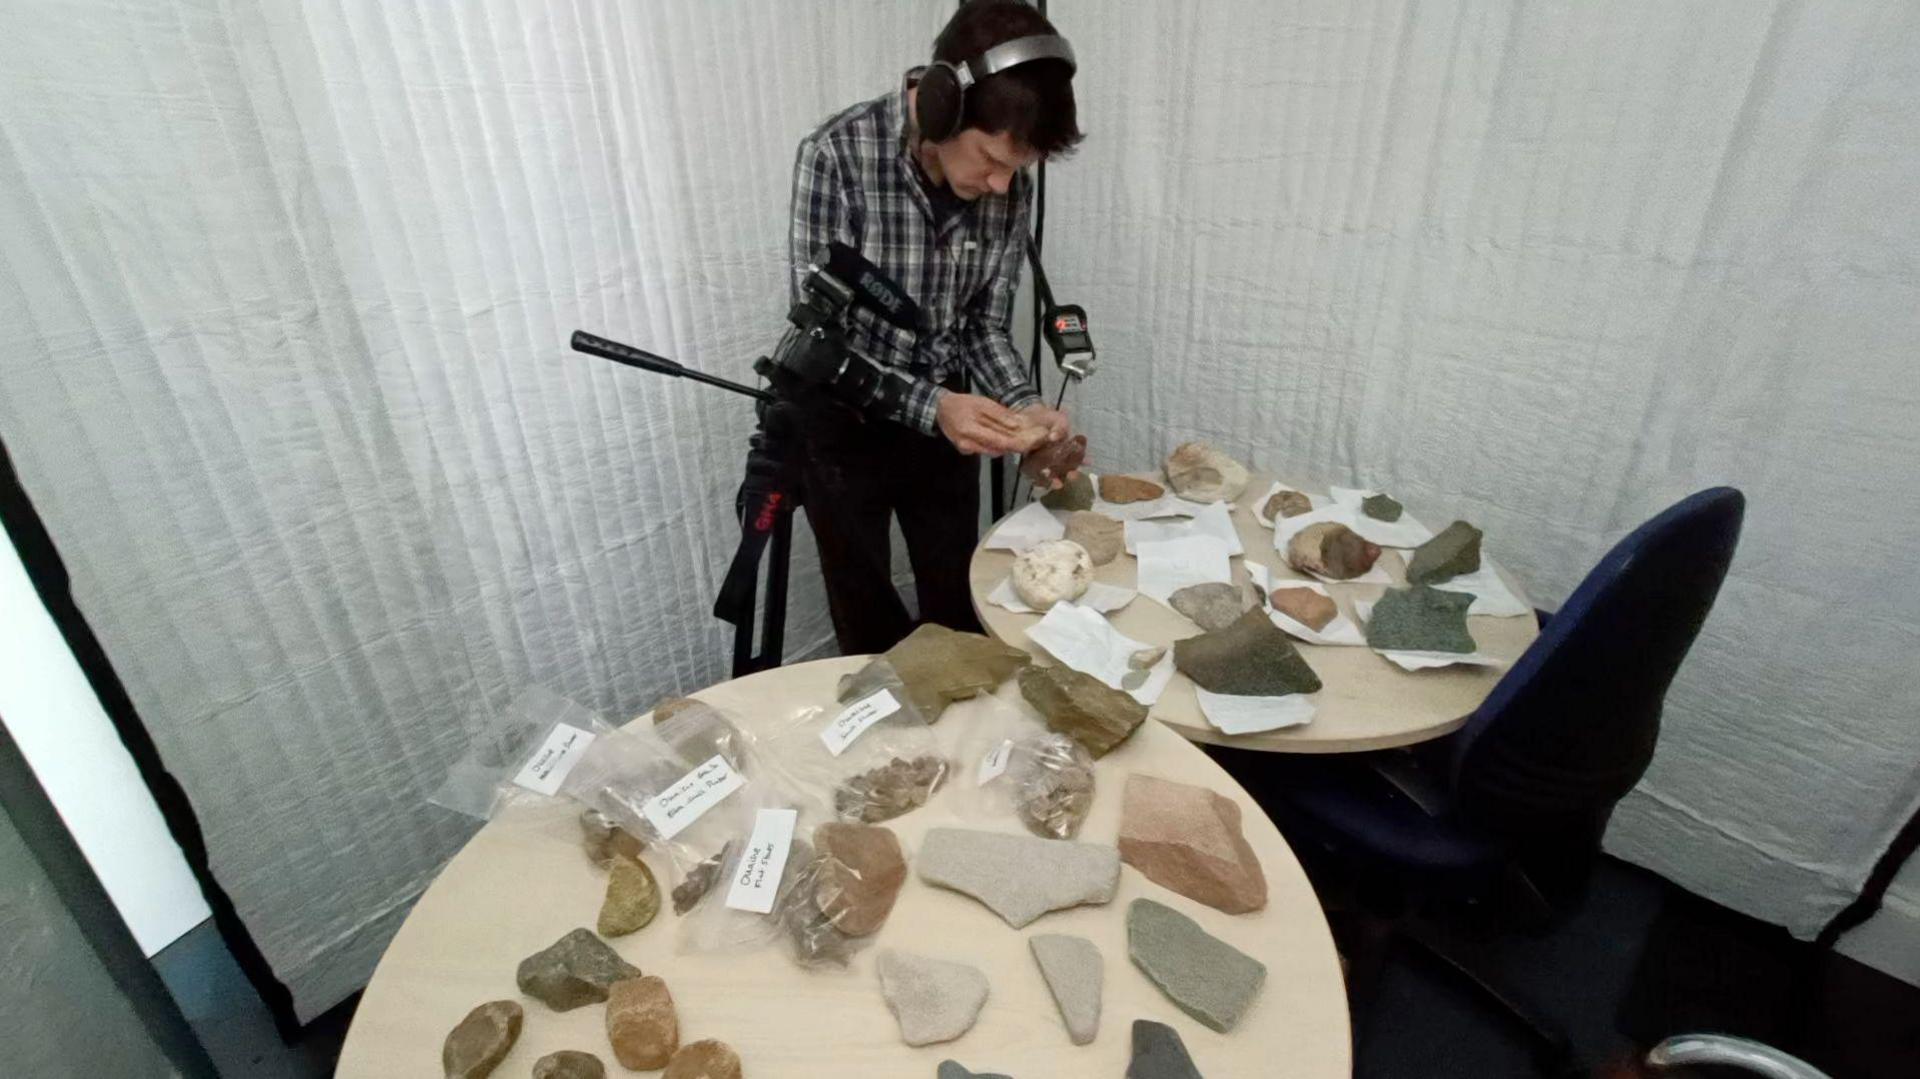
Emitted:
<point x="232" y="1022"/>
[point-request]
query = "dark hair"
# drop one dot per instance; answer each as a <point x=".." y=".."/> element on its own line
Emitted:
<point x="1032" y="102"/>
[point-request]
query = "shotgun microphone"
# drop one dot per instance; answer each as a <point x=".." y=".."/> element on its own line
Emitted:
<point x="871" y="286"/>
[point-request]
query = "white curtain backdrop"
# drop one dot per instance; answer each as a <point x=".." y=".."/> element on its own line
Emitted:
<point x="286" y="287"/>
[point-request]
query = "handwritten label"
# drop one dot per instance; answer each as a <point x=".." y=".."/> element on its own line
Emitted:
<point x="673" y="809"/>
<point x="854" y="722"/>
<point x="756" y="879"/>
<point x="548" y="767"/>
<point x="995" y="762"/>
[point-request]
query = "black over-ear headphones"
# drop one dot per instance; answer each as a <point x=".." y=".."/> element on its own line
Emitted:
<point x="942" y="100"/>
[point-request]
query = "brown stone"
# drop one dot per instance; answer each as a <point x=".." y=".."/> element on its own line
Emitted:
<point x="1286" y="504"/>
<point x="704" y="1059"/>
<point x="1188" y="839"/>
<point x="1305" y="606"/>
<point x="1200" y="473"/>
<point x="1081" y="706"/>
<point x="569" y="1064"/>
<point x="604" y="839"/>
<point x="1331" y="550"/>
<point x="885" y="792"/>
<point x="1102" y="536"/>
<point x="861" y="870"/>
<point x="633" y="898"/>
<point x="482" y="1040"/>
<point x="573" y="971"/>
<point x="694" y="887"/>
<point x="1054" y="461"/>
<point x="1251" y="658"/>
<point x="641" y="1023"/>
<point x="938" y="666"/>
<point x="1121" y="490"/>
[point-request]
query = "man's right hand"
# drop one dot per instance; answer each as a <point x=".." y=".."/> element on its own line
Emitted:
<point x="976" y="424"/>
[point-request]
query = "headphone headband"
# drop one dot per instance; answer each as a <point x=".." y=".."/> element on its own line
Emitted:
<point x="1020" y="50"/>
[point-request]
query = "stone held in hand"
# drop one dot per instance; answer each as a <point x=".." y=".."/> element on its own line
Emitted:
<point x="1203" y="975"/>
<point x="577" y="969"/>
<point x="1158" y="1053"/>
<point x="1121" y="490"/>
<point x="478" y="1043"/>
<point x="1074" y="974"/>
<point x="1331" y="550"/>
<point x="1054" y="461"/>
<point x="1199" y="473"/>
<point x="604" y="839"/>
<point x="704" y="1059"/>
<point x="642" y="1023"/>
<point x="889" y="790"/>
<point x="938" y="666"/>
<point x="1188" y="839"/>
<point x="699" y="880"/>
<point x="1051" y="571"/>
<point x="861" y="870"/>
<point x="1102" y="536"/>
<point x="1251" y="658"/>
<point x="633" y="898"/>
<point x="1286" y="504"/>
<point x="1421" y="619"/>
<point x="1053" y="780"/>
<point x="1305" y="606"/>
<point x="1453" y="552"/>
<point x="1019" y="877"/>
<point x="933" y="1000"/>
<point x="1081" y="706"/>
<point x="1381" y="508"/>
<point x="1075" y="494"/>
<point x="1210" y="604"/>
<point x="569" y="1064"/>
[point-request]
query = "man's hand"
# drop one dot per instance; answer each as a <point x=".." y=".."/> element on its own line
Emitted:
<point x="1054" y="420"/>
<point x="976" y="424"/>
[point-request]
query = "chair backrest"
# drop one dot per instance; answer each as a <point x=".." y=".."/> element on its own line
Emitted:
<point x="1571" y="727"/>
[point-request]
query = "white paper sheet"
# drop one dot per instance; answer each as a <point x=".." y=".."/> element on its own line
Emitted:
<point x="1084" y="640"/>
<point x="1420" y="661"/>
<point x="1024" y="527"/>
<point x="1250" y="715"/>
<point x="1100" y="596"/>
<point x="1167" y="566"/>
<point x="1341" y="631"/>
<point x="1259" y="504"/>
<point x="1286" y="527"/>
<point x="1405" y="532"/>
<point x="1214" y="519"/>
<point x="1490" y="593"/>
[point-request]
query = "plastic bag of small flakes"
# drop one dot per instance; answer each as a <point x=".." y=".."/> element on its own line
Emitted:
<point x="1012" y="765"/>
<point x="869" y="761"/>
<point x="525" y="752"/>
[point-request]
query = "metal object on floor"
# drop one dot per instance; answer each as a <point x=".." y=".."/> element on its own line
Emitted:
<point x="1728" y="1051"/>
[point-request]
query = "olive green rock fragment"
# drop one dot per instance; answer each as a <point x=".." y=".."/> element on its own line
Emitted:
<point x="938" y="666"/>
<point x="1082" y="707"/>
<point x="1075" y="494"/>
<point x="1250" y="658"/>
<point x="1381" y="508"/>
<point x="482" y="1040"/>
<point x="1455" y="551"/>
<point x="633" y="898"/>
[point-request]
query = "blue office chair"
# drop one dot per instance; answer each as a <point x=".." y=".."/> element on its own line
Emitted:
<point x="1514" y="803"/>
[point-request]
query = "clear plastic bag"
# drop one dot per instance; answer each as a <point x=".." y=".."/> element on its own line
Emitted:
<point x="527" y="752"/>
<point x="1012" y="765"/>
<point x="870" y="761"/>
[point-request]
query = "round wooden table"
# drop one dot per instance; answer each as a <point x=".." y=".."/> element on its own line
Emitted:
<point x="523" y="881"/>
<point x="1366" y="703"/>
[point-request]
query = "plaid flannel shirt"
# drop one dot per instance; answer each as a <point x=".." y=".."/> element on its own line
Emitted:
<point x="855" y="180"/>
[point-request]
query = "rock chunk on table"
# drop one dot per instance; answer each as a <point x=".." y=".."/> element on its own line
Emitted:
<point x="633" y="898"/>
<point x="1122" y="490"/>
<point x="1188" y="839"/>
<point x="1051" y="571"/>
<point x="577" y="969"/>
<point x="1251" y="658"/>
<point x="603" y="839"/>
<point x="1210" y="604"/>
<point x="1305" y="606"/>
<point x="1075" y="975"/>
<point x="1199" y="473"/>
<point x="1286" y="504"/>
<point x="886" y="791"/>
<point x="938" y="666"/>
<point x="1075" y="494"/>
<point x="1381" y="508"/>
<point x="569" y="1064"/>
<point x="861" y="870"/>
<point x="1102" y="536"/>
<point x="1421" y="619"/>
<point x="1019" y="877"/>
<point x="479" y="1042"/>
<point x="1158" y="1053"/>
<point x="953" y="1069"/>
<point x="1203" y="975"/>
<point x="933" y="1000"/>
<point x="1054" y="461"/>
<point x="1053" y="785"/>
<point x="642" y="1023"/>
<point x="1081" y="706"/>
<point x="1452" y="553"/>
<point x="704" y="1059"/>
<point x="1331" y="550"/>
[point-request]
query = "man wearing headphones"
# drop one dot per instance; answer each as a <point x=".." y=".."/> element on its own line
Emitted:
<point x="927" y="182"/>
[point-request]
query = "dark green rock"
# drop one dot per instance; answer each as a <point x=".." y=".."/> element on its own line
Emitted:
<point x="952" y="1069"/>
<point x="1250" y="658"/>
<point x="1158" y="1053"/>
<point x="1075" y="494"/>
<point x="576" y="969"/>
<point x="1456" y="550"/>
<point x="1421" y="619"/>
<point x="1204" y="976"/>
<point x="1381" y="508"/>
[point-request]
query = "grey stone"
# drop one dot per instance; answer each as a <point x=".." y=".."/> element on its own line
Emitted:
<point x="1456" y="550"/>
<point x="1203" y="975"/>
<point x="1421" y="619"/>
<point x="1019" y="877"/>
<point x="574" y="970"/>
<point x="1076" y="494"/>
<point x="1081" y="706"/>
<point x="933" y="1000"/>
<point x="1158" y="1053"/>
<point x="1200" y="473"/>
<point x="482" y="1040"/>
<point x="569" y="1064"/>
<point x="1250" y="658"/>
<point x="952" y="1069"/>
<point x="1210" y="605"/>
<point x="1074" y="974"/>
<point x="1381" y="508"/>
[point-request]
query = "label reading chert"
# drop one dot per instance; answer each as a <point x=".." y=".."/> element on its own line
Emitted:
<point x="995" y="762"/>
<point x="756" y="879"/>
<point x="691" y="795"/>
<point x="548" y="767"/>
<point x="854" y="722"/>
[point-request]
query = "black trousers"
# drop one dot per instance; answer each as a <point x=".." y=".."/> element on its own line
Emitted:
<point x="858" y="474"/>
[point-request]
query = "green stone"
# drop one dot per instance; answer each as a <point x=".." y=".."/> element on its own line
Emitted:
<point x="1081" y="706"/>
<point x="938" y="666"/>
<point x="1250" y="658"/>
<point x="1204" y="976"/>
<point x="1158" y="1053"/>
<point x="1421" y="619"/>
<point x="1456" y="550"/>
<point x="1381" y="508"/>
<point x="1075" y="494"/>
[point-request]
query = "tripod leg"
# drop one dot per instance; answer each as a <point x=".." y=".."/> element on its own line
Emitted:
<point x="773" y="635"/>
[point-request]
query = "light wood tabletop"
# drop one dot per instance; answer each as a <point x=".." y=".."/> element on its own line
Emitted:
<point x="1365" y="703"/>
<point x="523" y="881"/>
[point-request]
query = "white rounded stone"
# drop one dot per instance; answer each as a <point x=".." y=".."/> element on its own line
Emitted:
<point x="1050" y="571"/>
